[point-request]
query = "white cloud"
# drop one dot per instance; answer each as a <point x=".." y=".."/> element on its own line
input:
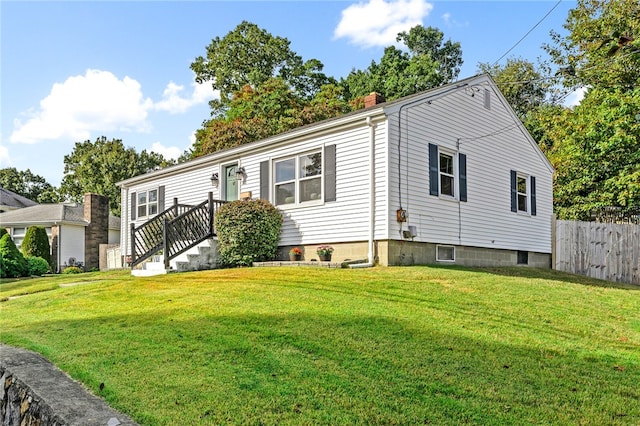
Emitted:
<point x="575" y="97"/>
<point x="96" y="101"/>
<point x="5" y="159"/>
<point x="173" y="103"/>
<point x="378" y="22"/>
<point x="100" y="102"/>
<point x="168" y="152"/>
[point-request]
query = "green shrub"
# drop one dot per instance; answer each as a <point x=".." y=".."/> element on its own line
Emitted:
<point x="37" y="265"/>
<point x="13" y="263"/>
<point x="72" y="270"/>
<point x="248" y="231"/>
<point x="3" y="231"/>
<point x="36" y="243"/>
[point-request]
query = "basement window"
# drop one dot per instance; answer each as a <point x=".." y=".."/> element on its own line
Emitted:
<point x="445" y="253"/>
<point x="523" y="257"/>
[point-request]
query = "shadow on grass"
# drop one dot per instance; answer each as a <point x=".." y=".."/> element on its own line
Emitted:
<point x="547" y="274"/>
<point x="173" y="368"/>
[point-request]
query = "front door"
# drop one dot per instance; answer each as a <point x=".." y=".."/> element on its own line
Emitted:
<point x="230" y="183"/>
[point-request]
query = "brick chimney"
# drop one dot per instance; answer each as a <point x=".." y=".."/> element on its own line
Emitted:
<point x="373" y="99"/>
<point x="96" y="212"/>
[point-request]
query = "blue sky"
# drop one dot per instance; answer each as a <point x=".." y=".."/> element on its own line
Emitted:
<point x="73" y="71"/>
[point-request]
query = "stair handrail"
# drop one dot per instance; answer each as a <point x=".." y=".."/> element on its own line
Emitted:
<point x="150" y="233"/>
<point x="166" y="230"/>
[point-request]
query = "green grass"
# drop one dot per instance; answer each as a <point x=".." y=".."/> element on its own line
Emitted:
<point x="405" y="345"/>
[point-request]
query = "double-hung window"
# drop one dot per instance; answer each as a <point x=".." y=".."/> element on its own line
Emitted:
<point x="148" y="203"/>
<point x="447" y="176"/>
<point x="447" y="173"/>
<point x="298" y="179"/>
<point x="523" y="193"/>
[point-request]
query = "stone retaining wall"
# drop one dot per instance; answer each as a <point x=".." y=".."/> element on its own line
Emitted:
<point x="33" y="392"/>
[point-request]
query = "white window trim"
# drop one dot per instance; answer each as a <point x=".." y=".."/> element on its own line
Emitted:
<point x="147" y="204"/>
<point x="296" y="180"/>
<point x="456" y="175"/>
<point x="527" y="194"/>
<point x="453" y="248"/>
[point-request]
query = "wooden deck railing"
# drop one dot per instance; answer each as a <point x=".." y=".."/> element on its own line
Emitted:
<point x="174" y="231"/>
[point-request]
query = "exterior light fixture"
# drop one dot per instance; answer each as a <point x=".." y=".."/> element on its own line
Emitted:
<point x="215" y="179"/>
<point x="242" y="174"/>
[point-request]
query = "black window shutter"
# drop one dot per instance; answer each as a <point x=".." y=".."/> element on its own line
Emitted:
<point x="462" y="166"/>
<point x="330" y="173"/>
<point x="160" y="199"/>
<point x="514" y="191"/>
<point x="433" y="170"/>
<point x="533" y="195"/>
<point x="264" y="180"/>
<point x="133" y="206"/>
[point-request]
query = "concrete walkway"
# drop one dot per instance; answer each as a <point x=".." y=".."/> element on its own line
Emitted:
<point x="33" y="389"/>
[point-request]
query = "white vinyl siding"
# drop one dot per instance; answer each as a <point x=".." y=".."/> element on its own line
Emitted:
<point x="459" y="123"/>
<point x="71" y="243"/>
<point x="315" y="221"/>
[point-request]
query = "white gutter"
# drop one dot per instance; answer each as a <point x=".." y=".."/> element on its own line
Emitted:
<point x="372" y="196"/>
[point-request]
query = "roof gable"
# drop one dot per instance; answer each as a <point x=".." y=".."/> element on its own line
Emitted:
<point x="11" y="199"/>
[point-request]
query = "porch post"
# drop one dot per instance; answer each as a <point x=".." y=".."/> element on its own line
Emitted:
<point x="211" y="212"/>
<point x="133" y="243"/>
<point x="165" y="243"/>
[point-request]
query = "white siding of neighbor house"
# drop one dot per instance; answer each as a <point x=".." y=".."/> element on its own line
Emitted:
<point x="71" y="243"/>
<point x="114" y="236"/>
<point x="494" y="143"/>
<point x="343" y="220"/>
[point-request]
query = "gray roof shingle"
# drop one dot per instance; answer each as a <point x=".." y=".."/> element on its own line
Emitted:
<point x="50" y="214"/>
<point x="11" y="199"/>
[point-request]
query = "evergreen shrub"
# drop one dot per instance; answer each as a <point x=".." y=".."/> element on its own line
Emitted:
<point x="36" y="243"/>
<point x="248" y="231"/>
<point x="37" y="265"/>
<point x="12" y="263"/>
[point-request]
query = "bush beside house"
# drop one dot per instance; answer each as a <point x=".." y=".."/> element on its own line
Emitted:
<point x="12" y="262"/>
<point x="36" y="243"/>
<point x="248" y="231"/>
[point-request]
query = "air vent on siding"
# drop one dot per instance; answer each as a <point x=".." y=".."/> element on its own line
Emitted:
<point x="487" y="98"/>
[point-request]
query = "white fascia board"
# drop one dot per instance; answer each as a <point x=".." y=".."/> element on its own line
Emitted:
<point x="327" y="126"/>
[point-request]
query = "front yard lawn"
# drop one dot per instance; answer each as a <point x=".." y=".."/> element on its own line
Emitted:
<point x="397" y="345"/>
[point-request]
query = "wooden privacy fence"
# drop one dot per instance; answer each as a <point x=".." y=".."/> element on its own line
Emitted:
<point x="606" y="251"/>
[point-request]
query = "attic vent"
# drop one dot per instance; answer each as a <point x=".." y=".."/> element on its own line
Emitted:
<point x="487" y="98"/>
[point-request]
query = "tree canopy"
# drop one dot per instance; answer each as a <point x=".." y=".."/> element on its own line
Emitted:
<point x="249" y="55"/>
<point x="29" y="185"/>
<point x="602" y="48"/>
<point x="595" y="147"/>
<point x="427" y="62"/>
<point x="98" y="166"/>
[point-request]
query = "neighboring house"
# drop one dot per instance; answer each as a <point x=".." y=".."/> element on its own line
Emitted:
<point x="447" y="176"/>
<point x="75" y="230"/>
<point x="11" y="201"/>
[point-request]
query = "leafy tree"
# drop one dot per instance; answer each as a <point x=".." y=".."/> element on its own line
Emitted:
<point x="36" y="243"/>
<point x="29" y="185"/>
<point x="428" y="62"/>
<point x="249" y="55"/>
<point x="602" y="48"/>
<point x="524" y="87"/>
<point x="269" y="109"/>
<point x="97" y="167"/>
<point x="12" y="262"/>
<point x="596" y="153"/>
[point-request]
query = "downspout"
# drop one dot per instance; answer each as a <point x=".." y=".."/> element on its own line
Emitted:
<point x="372" y="197"/>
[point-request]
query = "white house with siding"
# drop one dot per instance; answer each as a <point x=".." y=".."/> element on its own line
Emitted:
<point x="449" y="175"/>
<point x="75" y="230"/>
